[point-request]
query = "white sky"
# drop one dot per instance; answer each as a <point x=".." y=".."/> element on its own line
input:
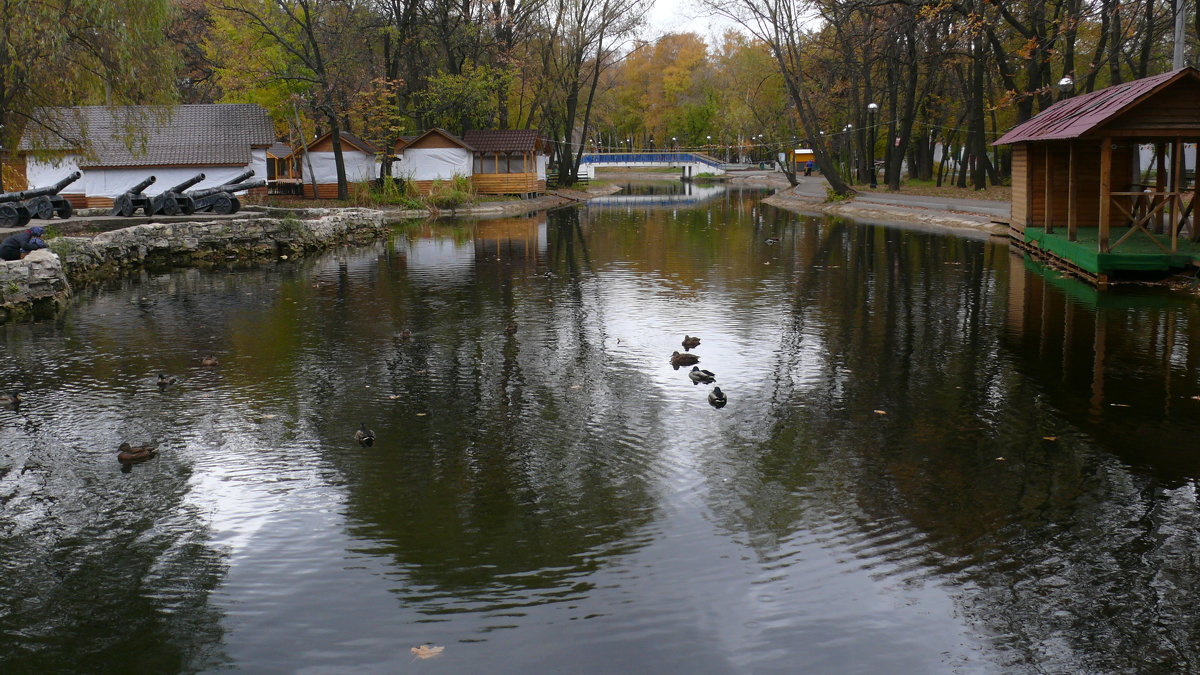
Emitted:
<point x="682" y="16"/>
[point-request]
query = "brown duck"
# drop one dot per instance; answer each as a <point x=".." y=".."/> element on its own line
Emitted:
<point x="690" y="342"/>
<point x="678" y="359"/>
<point x="132" y="454"/>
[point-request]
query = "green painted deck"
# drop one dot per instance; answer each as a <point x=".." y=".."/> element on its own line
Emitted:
<point x="1136" y="254"/>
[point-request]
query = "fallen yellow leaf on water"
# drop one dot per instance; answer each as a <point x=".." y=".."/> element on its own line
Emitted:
<point x="422" y="414"/>
<point x="1196" y="398"/>
<point x="1120" y="405"/>
<point x="427" y="651"/>
<point x="880" y="412"/>
<point x="394" y="396"/>
<point x="1049" y="438"/>
<point x="577" y="386"/>
<point x="999" y="459"/>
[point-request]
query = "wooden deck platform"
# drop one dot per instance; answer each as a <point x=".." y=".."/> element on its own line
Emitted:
<point x="1138" y="254"/>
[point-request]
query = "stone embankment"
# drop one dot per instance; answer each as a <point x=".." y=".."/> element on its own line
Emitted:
<point x="40" y="284"/>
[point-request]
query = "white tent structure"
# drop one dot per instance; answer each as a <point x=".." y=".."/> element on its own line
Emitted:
<point x="359" y="156"/>
<point x="116" y="148"/>
<point x="434" y="155"/>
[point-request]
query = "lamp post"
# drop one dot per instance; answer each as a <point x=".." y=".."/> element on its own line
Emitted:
<point x="1065" y="85"/>
<point x="849" y="129"/>
<point x="872" y="109"/>
<point x="628" y="145"/>
<point x="651" y="144"/>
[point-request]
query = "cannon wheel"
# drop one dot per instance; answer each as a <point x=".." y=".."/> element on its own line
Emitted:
<point x="8" y="216"/>
<point x="123" y="206"/>
<point x="167" y="206"/>
<point x="222" y="203"/>
<point x="64" y="209"/>
<point x="40" y="207"/>
<point x="187" y="205"/>
<point x="13" y="215"/>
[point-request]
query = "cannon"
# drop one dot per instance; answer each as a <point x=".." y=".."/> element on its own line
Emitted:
<point x="220" y="199"/>
<point x="16" y="208"/>
<point x="46" y="203"/>
<point x="172" y="201"/>
<point x="133" y="199"/>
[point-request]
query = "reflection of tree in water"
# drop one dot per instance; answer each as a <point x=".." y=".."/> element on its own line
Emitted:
<point x="525" y="468"/>
<point x="1055" y="549"/>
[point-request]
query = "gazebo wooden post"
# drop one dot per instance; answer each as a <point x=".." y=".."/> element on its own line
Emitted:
<point x="1048" y="192"/>
<point x="1072" y="195"/>
<point x="1160" y="181"/>
<point x="1105" y="190"/>
<point x="1177" y="169"/>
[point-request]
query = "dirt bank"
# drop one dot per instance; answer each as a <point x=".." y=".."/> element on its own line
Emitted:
<point x="799" y="201"/>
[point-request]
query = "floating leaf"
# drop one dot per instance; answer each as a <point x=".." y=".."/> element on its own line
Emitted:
<point x="394" y="396"/>
<point x="880" y="412"/>
<point x="1120" y="405"/>
<point x="427" y="651"/>
<point x="999" y="459"/>
<point x="1049" y="438"/>
<point x="422" y="414"/>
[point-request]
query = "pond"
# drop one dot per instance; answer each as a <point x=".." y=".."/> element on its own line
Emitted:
<point x="936" y="456"/>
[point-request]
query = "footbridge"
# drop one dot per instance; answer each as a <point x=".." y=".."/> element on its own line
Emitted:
<point x="688" y="163"/>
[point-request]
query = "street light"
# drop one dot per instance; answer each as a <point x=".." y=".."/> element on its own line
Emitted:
<point x="1065" y="85"/>
<point x="872" y="108"/>
<point x="849" y="129"/>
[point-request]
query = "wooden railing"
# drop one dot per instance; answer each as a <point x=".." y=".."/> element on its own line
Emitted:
<point x="1140" y="208"/>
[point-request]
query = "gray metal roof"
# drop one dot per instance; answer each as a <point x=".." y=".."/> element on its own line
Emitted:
<point x="183" y="135"/>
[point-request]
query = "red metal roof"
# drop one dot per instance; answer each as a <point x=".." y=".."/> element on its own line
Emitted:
<point x="1074" y="117"/>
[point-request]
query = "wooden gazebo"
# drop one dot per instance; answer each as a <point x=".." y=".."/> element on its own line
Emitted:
<point x="1077" y="167"/>
<point x="508" y="161"/>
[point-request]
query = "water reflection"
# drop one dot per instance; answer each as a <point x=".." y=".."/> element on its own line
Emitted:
<point x="936" y="457"/>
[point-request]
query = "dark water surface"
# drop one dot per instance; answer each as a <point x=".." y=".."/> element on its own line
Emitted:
<point x="936" y="457"/>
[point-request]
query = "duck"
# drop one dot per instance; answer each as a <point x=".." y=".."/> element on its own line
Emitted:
<point x="690" y="342"/>
<point x="678" y="359"/>
<point x="771" y="241"/>
<point x="132" y="454"/>
<point x="701" y="376"/>
<point x="208" y="361"/>
<point x="406" y="334"/>
<point x="716" y="398"/>
<point x="511" y="327"/>
<point x="364" y="436"/>
<point x="165" y="380"/>
<point x="14" y="399"/>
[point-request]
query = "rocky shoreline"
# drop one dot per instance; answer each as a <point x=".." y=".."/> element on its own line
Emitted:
<point x="39" y="285"/>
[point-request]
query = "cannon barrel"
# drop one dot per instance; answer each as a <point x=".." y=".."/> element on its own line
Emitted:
<point x="40" y="192"/>
<point x="137" y="189"/>
<point x="185" y="184"/>
<point x="240" y="177"/>
<point x="230" y="188"/>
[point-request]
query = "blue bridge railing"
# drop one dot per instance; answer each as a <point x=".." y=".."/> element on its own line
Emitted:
<point x="649" y="158"/>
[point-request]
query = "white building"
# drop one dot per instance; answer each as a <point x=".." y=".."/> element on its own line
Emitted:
<point x="360" y="158"/>
<point x="116" y="148"/>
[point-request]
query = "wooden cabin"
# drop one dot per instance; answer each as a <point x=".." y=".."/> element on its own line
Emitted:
<point x="434" y="155"/>
<point x="1081" y="192"/>
<point x="117" y="147"/>
<point x="508" y="162"/>
<point x="284" y="173"/>
<point x="360" y="158"/>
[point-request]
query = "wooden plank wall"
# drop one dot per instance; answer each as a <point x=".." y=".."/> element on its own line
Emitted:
<point x="324" y="190"/>
<point x="506" y="183"/>
<point x="1172" y="111"/>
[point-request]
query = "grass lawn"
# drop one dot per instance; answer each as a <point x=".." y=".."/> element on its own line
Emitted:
<point x="1000" y="193"/>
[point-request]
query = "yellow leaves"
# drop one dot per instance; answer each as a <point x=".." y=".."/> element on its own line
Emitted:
<point x="881" y="412"/>
<point x="427" y="651"/>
